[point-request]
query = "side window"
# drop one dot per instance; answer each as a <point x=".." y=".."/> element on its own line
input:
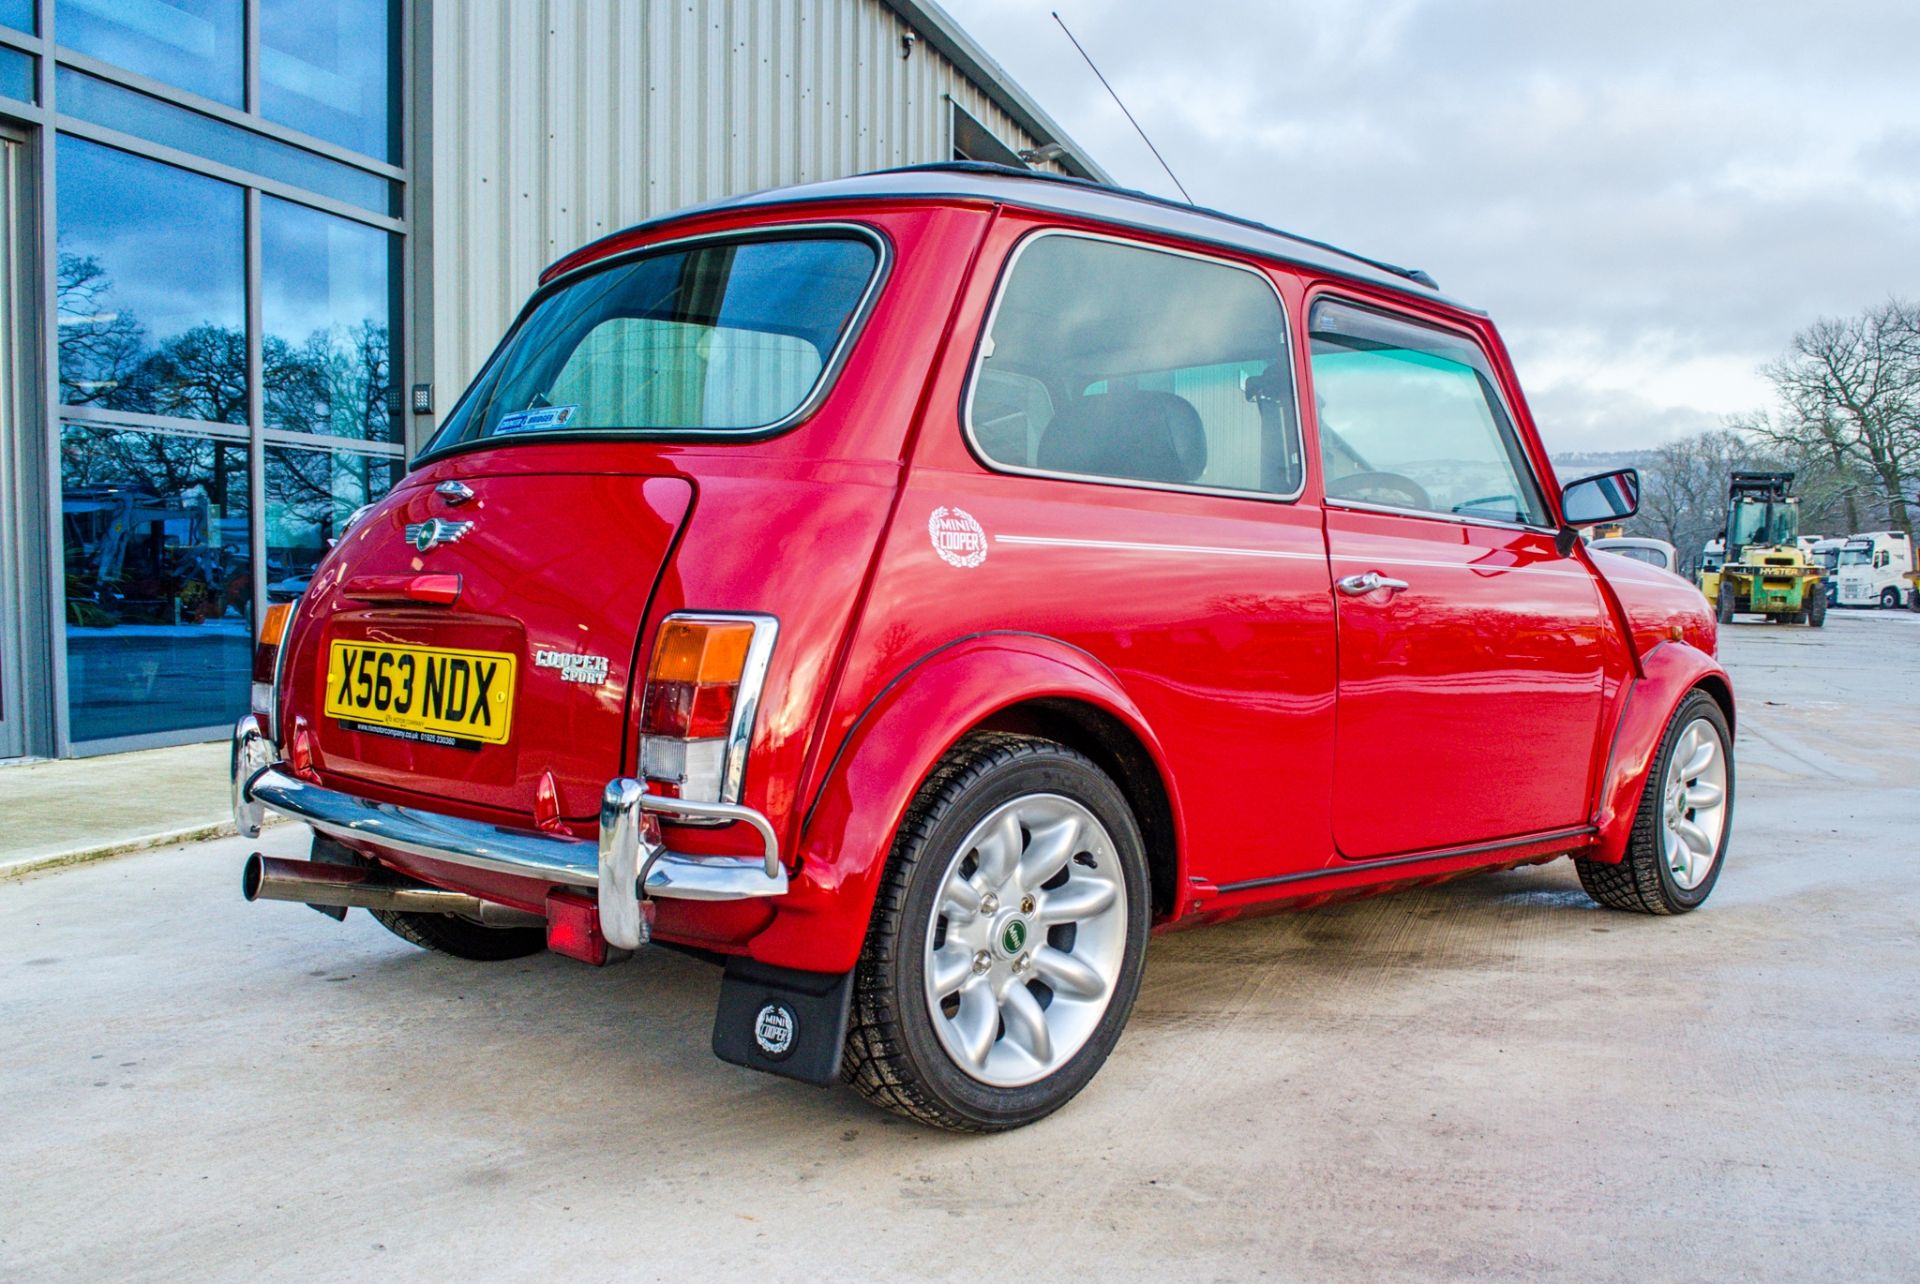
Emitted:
<point x="1118" y="362"/>
<point x="1408" y="418"/>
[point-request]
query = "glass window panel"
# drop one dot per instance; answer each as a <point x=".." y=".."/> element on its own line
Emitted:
<point x="158" y="580"/>
<point x="16" y="75"/>
<point x="196" y="45"/>
<point x="1121" y="362"/>
<point x="1409" y="418"/>
<point x="327" y="306"/>
<point x="132" y="112"/>
<point x="326" y="69"/>
<point x="151" y="287"/>
<point x="727" y="337"/>
<point x="18" y="14"/>
<point x="310" y="495"/>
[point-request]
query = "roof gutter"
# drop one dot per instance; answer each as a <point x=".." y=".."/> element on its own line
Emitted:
<point x="934" y="25"/>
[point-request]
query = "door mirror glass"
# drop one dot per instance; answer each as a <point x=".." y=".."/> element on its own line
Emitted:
<point x="1604" y="497"/>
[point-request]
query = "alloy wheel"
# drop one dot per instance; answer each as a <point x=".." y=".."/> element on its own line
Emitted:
<point x="1695" y="815"/>
<point x="1026" y="941"/>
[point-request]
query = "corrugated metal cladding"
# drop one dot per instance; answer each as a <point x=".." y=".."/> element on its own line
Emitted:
<point x="557" y="121"/>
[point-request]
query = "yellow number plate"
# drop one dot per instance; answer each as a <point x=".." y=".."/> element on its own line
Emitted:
<point x="428" y="694"/>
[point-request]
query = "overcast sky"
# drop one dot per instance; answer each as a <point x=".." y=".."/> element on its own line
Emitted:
<point x="1650" y="197"/>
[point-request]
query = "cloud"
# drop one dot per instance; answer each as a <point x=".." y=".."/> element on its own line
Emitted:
<point x="1649" y="197"/>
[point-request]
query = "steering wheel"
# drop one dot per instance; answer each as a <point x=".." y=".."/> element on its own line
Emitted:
<point x="1359" y="486"/>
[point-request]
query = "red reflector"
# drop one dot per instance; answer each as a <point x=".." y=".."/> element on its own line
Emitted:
<point x="546" y="803"/>
<point x="688" y="710"/>
<point x="573" y="928"/>
<point x="300" y="750"/>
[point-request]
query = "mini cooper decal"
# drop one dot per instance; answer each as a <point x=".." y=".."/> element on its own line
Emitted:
<point x="957" y="538"/>
<point x="774" y="1029"/>
<point x="590" y="669"/>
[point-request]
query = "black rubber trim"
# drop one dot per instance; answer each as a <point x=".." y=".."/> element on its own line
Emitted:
<point x="833" y="763"/>
<point x="1361" y="866"/>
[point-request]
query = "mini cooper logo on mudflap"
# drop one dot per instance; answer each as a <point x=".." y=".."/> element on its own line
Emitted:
<point x="435" y="531"/>
<point x="1013" y="936"/>
<point x="957" y="538"/>
<point x="774" y="1029"/>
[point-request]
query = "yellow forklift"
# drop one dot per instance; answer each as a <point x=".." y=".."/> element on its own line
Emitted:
<point x="1765" y="571"/>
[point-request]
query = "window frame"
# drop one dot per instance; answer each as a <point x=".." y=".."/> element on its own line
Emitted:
<point x="979" y="358"/>
<point x="823" y="387"/>
<point x="1516" y="441"/>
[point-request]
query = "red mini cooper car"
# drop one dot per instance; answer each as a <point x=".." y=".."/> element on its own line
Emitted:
<point x="917" y="589"/>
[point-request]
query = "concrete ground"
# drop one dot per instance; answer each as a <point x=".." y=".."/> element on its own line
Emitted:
<point x="1493" y="1079"/>
<point x="57" y="812"/>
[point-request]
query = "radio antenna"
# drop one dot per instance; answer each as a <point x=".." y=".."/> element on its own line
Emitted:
<point x="1123" y="108"/>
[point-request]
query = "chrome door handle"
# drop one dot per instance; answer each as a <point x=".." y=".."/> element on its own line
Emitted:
<point x="1359" y="585"/>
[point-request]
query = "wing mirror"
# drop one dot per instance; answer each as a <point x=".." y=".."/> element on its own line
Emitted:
<point x="1603" y="497"/>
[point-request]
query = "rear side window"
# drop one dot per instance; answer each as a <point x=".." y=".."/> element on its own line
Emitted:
<point x="1409" y="419"/>
<point x="1117" y="362"/>
<point x="721" y="337"/>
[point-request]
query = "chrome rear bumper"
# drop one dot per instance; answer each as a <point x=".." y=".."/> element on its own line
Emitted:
<point x="628" y="863"/>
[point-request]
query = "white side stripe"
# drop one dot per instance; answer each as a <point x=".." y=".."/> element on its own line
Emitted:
<point x="1128" y="546"/>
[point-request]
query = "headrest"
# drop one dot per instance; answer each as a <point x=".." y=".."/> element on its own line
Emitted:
<point x="1149" y="436"/>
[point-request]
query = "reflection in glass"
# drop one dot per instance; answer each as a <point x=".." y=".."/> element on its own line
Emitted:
<point x="17" y="14"/>
<point x="326" y="306"/>
<point x="158" y="121"/>
<point x="325" y="69"/>
<point x="310" y="496"/>
<point x="158" y="580"/>
<point x="196" y="45"/>
<point x="151" y="287"/>
<point x="16" y="75"/>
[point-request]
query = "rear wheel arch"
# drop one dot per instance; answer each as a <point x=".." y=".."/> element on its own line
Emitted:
<point x="1028" y="684"/>
<point x="1113" y="747"/>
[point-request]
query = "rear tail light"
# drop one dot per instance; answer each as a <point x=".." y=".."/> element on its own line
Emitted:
<point x="697" y="711"/>
<point x="266" y="661"/>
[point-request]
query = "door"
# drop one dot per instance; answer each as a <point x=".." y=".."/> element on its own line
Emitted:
<point x="1470" y="648"/>
<point x="16" y="439"/>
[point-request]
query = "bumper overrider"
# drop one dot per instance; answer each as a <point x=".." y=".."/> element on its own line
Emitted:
<point x="627" y="865"/>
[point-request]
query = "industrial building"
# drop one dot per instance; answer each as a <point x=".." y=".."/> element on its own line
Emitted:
<point x="253" y="246"/>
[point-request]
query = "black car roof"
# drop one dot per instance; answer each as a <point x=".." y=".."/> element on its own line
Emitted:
<point x="1054" y="193"/>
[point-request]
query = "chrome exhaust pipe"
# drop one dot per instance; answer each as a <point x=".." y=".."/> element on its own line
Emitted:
<point x="305" y="882"/>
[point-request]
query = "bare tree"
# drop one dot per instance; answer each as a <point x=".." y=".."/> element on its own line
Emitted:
<point x="1850" y="393"/>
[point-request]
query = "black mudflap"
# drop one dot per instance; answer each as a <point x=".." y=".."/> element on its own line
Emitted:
<point x="782" y="1021"/>
<point x="328" y="852"/>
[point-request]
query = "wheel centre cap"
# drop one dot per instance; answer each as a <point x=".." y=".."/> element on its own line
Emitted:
<point x="1011" y="936"/>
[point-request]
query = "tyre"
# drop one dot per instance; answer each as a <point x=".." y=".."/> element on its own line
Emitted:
<point x="462" y="938"/>
<point x="1889" y="599"/>
<point x="1685" y="818"/>
<point x="1007" y="939"/>
<point x="1726" y="604"/>
<point x="1817" y="608"/>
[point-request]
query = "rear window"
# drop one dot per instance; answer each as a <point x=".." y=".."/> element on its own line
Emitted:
<point x="722" y="337"/>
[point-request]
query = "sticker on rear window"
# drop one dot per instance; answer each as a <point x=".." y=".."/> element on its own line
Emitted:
<point x="545" y="419"/>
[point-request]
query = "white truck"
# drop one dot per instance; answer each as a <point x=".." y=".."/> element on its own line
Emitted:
<point x="1872" y="569"/>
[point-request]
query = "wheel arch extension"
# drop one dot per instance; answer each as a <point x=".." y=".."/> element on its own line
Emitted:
<point x="1673" y="671"/>
<point x="1001" y="681"/>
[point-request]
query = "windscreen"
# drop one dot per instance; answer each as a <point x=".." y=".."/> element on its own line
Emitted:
<point x="721" y="337"/>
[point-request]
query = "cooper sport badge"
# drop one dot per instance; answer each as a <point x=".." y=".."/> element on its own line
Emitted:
<point x="957" y="538"/>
